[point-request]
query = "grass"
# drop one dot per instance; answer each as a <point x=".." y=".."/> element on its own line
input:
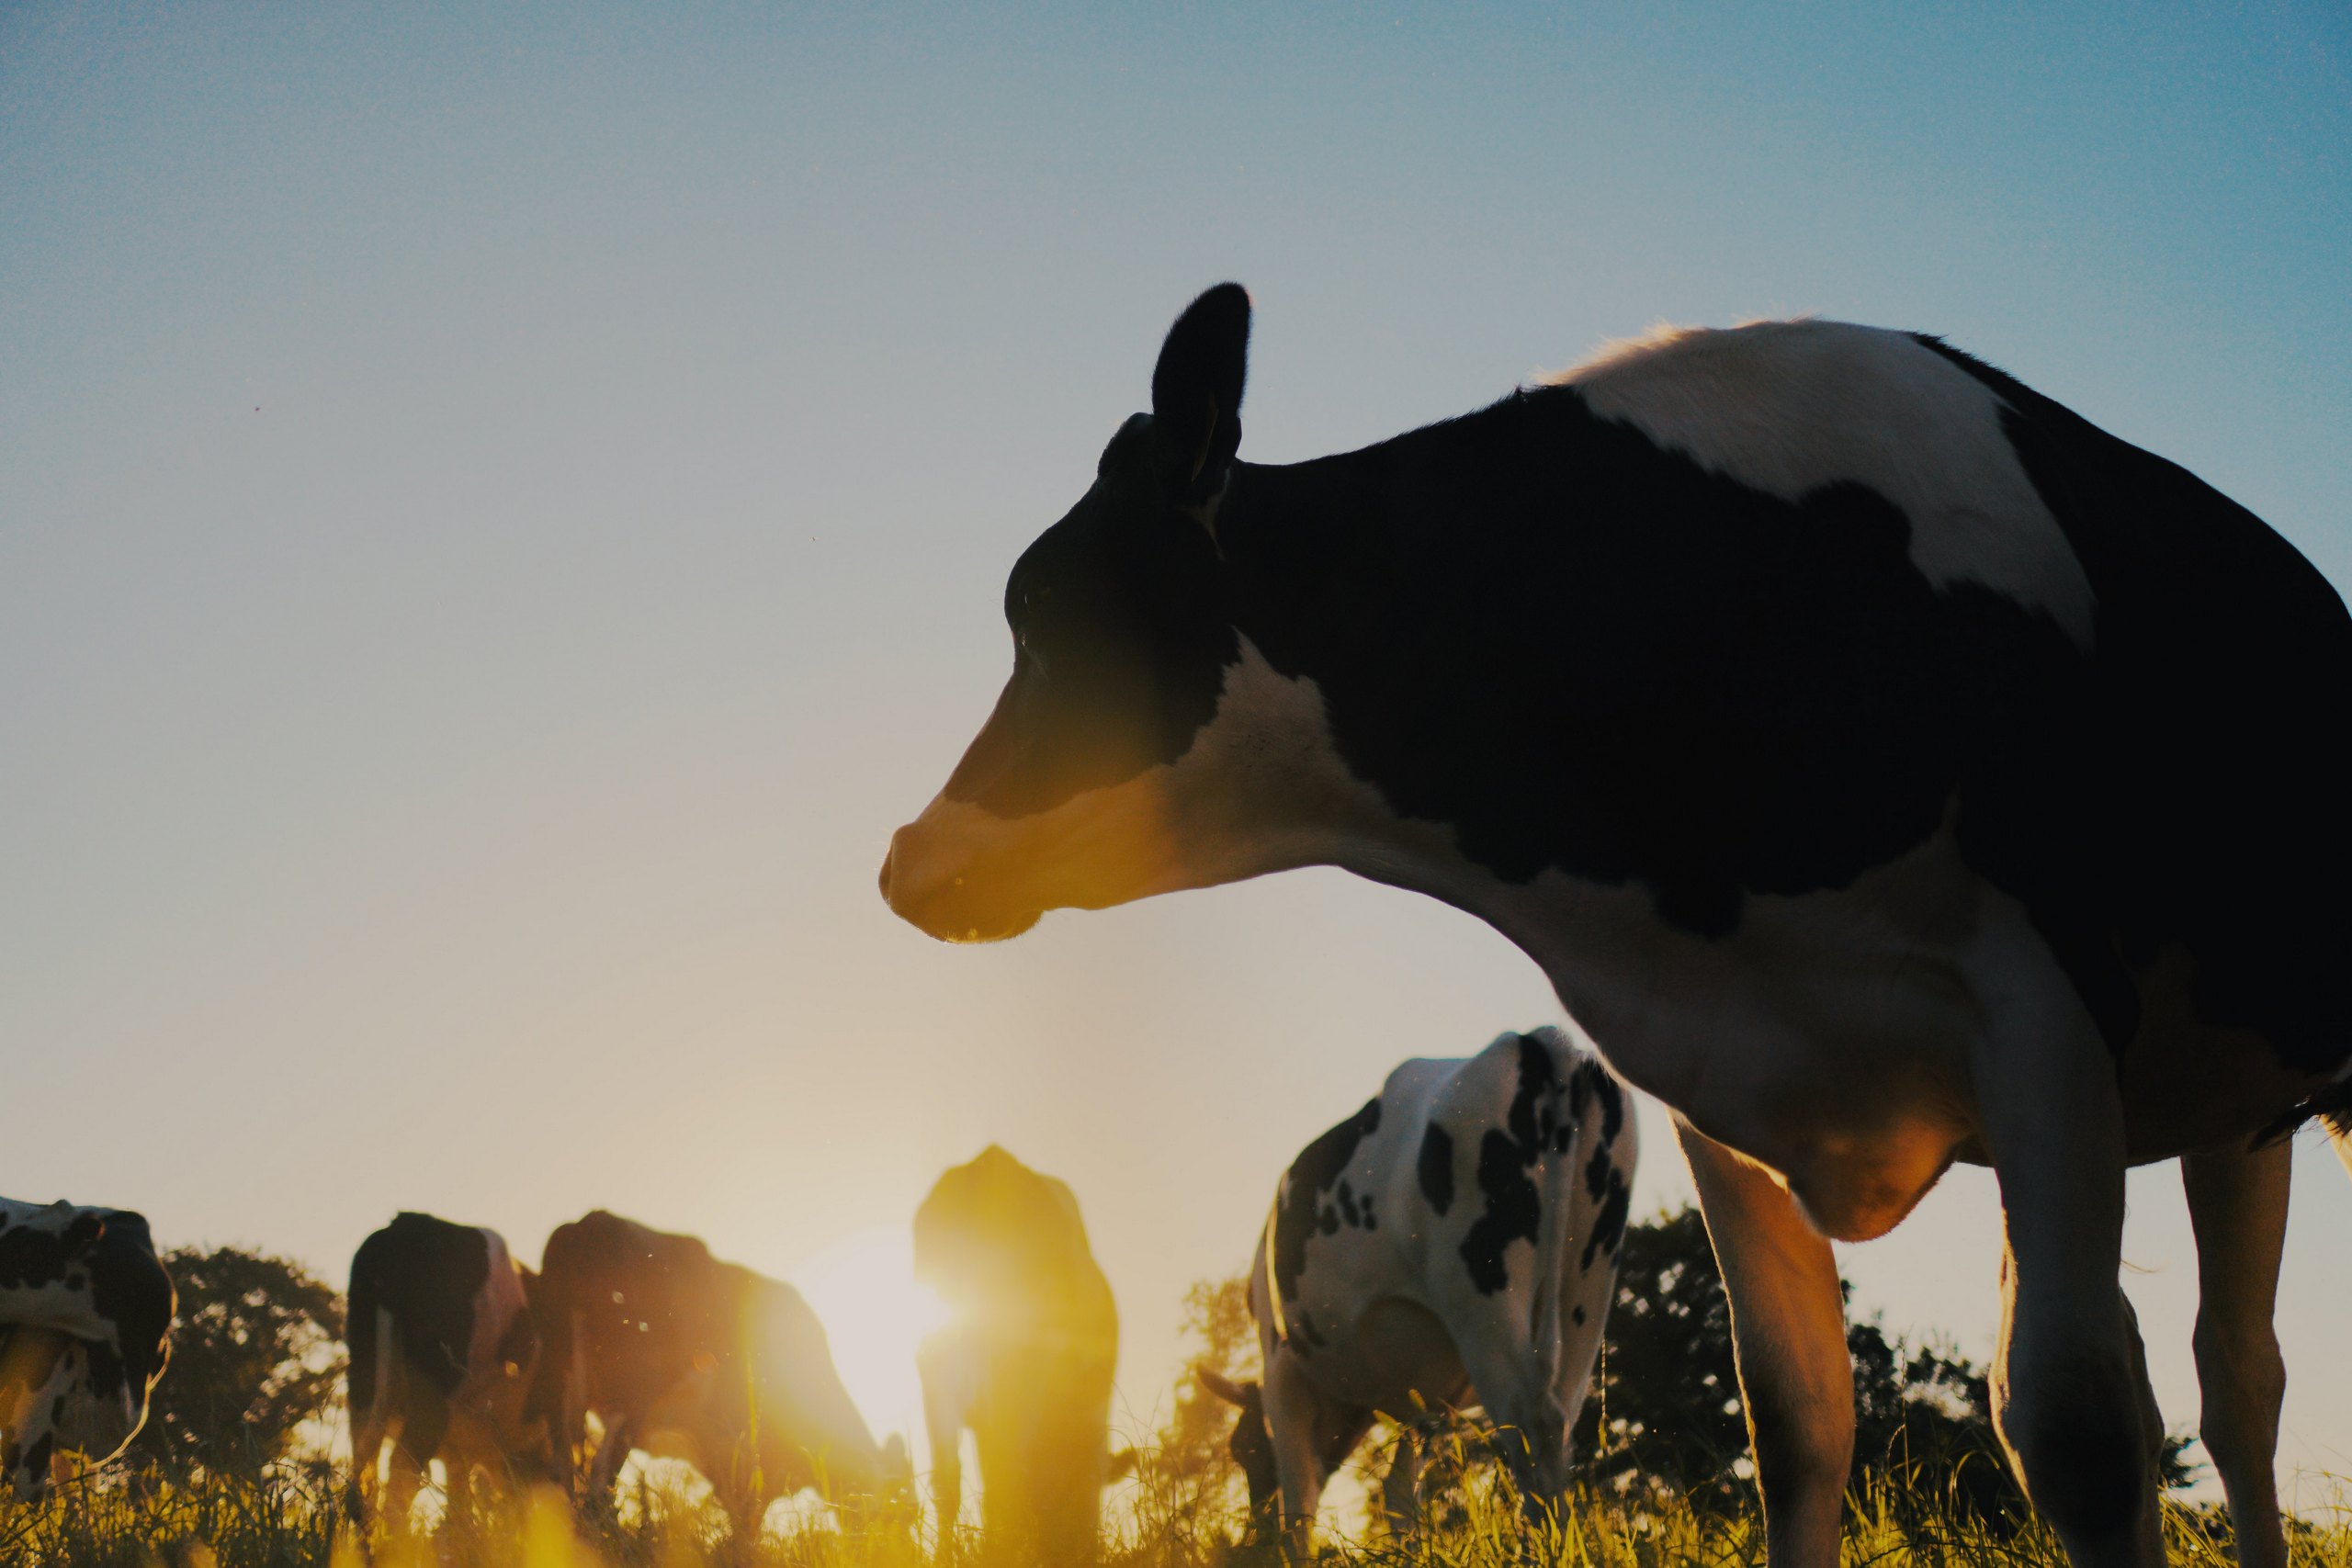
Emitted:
<point x="290" y="1521"/>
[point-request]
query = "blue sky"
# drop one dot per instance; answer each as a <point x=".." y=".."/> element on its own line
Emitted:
<point x="500" y="516"/>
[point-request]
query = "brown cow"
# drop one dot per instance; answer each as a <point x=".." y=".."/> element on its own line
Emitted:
<point x="686" y="1356"/>
<point x="1026" y="1361"/>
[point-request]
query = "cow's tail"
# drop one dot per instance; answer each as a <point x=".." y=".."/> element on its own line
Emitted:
<point x="1555" y="1181"/>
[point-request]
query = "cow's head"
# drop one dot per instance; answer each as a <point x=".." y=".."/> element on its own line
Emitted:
<point x="1088" y="786"/>
<point x="1251" y="1446"/>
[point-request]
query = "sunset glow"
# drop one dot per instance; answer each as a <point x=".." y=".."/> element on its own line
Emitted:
<point x="864" y="1289"/>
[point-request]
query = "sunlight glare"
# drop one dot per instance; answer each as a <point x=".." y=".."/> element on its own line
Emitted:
<point x="864" y="1289"/>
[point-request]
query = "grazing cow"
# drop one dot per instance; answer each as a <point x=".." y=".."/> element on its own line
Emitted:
<point x="1026" y="1360"/>
<point x="1886" y="766"/>
<point x="685" y="1356"/>
<point x="444" y="1346"/>
<point x="1387" y="1283"/>
<point x="86" y="1323"/>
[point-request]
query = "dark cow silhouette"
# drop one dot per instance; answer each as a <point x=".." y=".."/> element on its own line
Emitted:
<point x="684" y="1356"/>
<point x="1452" y="1244"/>
<point x="86" y="1322"/>
<point x="1026" y="1361"/>
<point x="443" y="1349"/>
<point x="1887" y="766"/>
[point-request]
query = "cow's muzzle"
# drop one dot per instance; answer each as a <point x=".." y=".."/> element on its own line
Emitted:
<point x="934" y="884"/>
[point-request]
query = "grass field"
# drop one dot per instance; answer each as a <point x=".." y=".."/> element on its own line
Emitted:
<point x="291" y="1523"/>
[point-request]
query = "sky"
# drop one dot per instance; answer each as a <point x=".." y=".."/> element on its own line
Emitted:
<point x="502" y="512"/>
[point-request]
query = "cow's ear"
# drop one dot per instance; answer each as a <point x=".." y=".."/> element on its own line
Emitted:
<point x="1197" y="394"/>
<point x="1223" y="1387"/>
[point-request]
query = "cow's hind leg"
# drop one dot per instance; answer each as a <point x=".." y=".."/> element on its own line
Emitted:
<point x="2068" y="1396"/>
<point x="1788" y="1325"/>
<point x="2237" y="1201"/>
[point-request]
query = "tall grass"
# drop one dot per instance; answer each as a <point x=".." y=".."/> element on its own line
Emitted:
<point x="290" y="1520"/>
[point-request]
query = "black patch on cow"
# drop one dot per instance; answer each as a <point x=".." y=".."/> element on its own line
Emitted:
<point x="129" y="1288"/>
<point x="429" y="1274"/>
<point x="1512" y="1213"/>
<point x="1301" y="1212"/>
<point x="57" y="1410"/>
<point x="1514" y="1206"/>
<point x="2200" y="801"/>
<point x="1534" y="1105"/>
<point x="1596" y="1171"/>
<point x="1371" y="1220"/>
<point x="33" y="1257"/>
<point x="1609" y="1225"/>
<point x="1627" y="667"/>
<point x="1577" y="1314"/>
<point x="1591" y="1075"/>
<point x="1437" y="1167"/>
<point x="37" y="1457"/>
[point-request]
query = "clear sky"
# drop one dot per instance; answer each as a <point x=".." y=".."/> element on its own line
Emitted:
<point x="500" y="516"/>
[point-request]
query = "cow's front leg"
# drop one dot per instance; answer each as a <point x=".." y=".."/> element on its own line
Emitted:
<point x="2237" y="1202"/>
<point x="946" y="1476"/>
<point x="1787" y="1324"/>
<point x="2068" y="1396"/>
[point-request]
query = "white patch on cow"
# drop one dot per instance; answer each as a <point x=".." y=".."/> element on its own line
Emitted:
<point x="1261" y="789"/>
<point x="1789" y="407"/>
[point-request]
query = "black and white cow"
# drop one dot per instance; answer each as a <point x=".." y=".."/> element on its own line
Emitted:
<point x="1887" y="766"/>
<point x="86" y="1322"/>
<point x="443" y="1346"/>
<point x="1452" y="1244"/>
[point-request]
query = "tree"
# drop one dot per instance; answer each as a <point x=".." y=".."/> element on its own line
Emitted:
<point x="255" y="1353"/>
<point x="1188" y="1471"/>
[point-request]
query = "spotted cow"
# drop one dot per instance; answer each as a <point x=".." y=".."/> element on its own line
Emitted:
<point x="86" y="1322"/>
<point x="1452" y="1244"/>
<point x="442" y="1348"/>
<point x="683" y="1356"/>
<point x="1887" y="767"/>
<point x="1026" y="1360"/>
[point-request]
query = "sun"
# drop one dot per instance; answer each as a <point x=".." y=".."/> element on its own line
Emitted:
<point x="864" y="1289"/>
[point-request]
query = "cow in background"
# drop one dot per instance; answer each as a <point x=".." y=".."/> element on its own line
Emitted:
<point x="86" y="1322"/>
<point x="444" y="1346"/>
<point x="1452" y="1244"/>
<point x="686" y="1356"/>
<point x="1026" y="1360"/>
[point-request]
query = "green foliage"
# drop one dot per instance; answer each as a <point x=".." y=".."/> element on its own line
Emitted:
<point x="1186" y="1468"/>
<point x="256" y="1353"/>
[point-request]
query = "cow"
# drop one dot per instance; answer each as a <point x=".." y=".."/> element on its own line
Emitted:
<point x="686" y="1356"/>
<point x="1391" y="1279"/>
<point x="85" y="1324"/>
<point x="1886" y="766"/>
<point x="444" y="1346"/>
<point x="1026" y="1360"/>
